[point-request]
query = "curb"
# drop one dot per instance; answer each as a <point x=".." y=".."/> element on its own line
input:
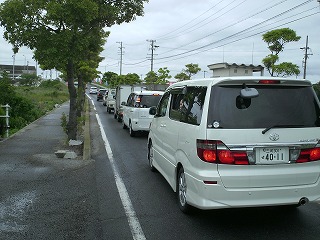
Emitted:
<point x="87" y="140"/>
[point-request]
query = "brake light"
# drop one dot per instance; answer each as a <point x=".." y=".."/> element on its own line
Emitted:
<point x="308" y="155"/>
<point x="269" y="81"/>
<point x="215" y="151"/>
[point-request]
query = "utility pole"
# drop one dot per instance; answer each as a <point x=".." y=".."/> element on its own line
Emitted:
<point x="153" y="47"/>
<point x="121" y="54"/>
<point x="204" y="73"/>
<point x="14" y="60"/>
<point x="306" y="54"/>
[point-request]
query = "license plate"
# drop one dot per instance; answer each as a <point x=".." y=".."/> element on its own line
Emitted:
<point x="272" y="155"/>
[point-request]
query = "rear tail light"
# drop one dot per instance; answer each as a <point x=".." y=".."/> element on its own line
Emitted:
<point x="215" y="151"/>
<point x="309" y="155"/>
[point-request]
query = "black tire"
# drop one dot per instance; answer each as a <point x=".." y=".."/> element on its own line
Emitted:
<point x="150" y="157"/>
<point x="124" y="126"/>
<point x="115" y="116"/>
<point x="132" y="133"/>
<point x="182" y="191"/>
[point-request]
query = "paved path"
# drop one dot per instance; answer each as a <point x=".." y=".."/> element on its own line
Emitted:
<point x="42" y="196"/>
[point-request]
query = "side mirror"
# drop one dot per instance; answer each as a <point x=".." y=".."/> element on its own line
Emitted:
<point x="153" y="110"/>
<point x="123" y="103"/>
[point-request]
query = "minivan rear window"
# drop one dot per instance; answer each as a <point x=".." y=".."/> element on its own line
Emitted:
<point x="275" y="105"/>
<point x="146" y="101"/>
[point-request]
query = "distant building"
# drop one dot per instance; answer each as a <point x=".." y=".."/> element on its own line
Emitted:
<point x="233" y="69"/>
<point x="18" y="70"/>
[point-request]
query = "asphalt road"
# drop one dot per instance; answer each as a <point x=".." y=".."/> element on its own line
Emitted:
<point x="156" y="209"/>
<point x="115" y="195"/>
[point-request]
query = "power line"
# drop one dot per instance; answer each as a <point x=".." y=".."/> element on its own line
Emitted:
<point x="236" y="40"/>
<point x="237" y="33"/>
<point x="190" y="29"/>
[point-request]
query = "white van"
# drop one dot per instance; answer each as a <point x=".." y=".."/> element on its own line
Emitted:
<point x="136" y="115"/>
<point x="238" y="142"/>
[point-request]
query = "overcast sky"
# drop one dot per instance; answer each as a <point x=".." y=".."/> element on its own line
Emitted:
<point x="204" y="32"/>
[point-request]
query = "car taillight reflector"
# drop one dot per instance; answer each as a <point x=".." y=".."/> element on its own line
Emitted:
<point x="308" y="155"/>
<point x="209" y="155"/>
<point x="269" y="81"/>
<point x="215" y="151"/>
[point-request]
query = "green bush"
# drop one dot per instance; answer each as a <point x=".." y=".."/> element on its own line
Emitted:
<point x="29" y="103"/>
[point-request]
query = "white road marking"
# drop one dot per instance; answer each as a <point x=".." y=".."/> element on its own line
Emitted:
<point x="92" y="102"/>
<point x="133" y="221"/>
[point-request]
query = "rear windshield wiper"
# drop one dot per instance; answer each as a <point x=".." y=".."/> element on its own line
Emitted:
<point x="281" y="126"/>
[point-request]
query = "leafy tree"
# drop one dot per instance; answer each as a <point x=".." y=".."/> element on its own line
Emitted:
<point x="129" y="79"/>
<point x="151" y="78"/>
<point x="65" y="35"/>
<point x="163" y="75"/>
<point x="182" y="76"/>
<point x="316" y="87"/>
<point x="286" y="69"/>
<point x="132" y="78"/>
<point x="192" y="69"/>
<point x="276" y="40"/>
<point x="29" y="79"/>
<point x="107" y="77"/>
<point x="186" y="74"/>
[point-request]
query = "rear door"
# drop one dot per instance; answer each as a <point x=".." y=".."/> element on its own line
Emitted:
<point x="281" y="119"/>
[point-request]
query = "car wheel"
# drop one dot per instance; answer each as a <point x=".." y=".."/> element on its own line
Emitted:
<point x="124" y="126"/>
<point x="151" y="157"/>
<point x="115" y="116"/>
<point x="132" y="133"/>
<point x="182" y="191"/>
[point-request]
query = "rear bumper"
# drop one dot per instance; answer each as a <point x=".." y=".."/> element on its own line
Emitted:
<point x="110" y="106"/>
<point x="214" y="196"/>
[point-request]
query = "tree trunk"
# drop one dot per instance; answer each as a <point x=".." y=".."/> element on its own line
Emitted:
<point x="72" y="123"/>
<point x="81" y="96"/>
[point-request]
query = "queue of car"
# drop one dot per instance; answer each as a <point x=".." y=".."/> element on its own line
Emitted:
<point x="230" y="142"/>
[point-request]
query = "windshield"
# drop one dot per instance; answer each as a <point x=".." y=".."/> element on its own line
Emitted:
<point x="275" y="105"/>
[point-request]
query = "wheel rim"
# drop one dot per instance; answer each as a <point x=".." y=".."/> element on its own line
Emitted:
<point x="182" y="189"/>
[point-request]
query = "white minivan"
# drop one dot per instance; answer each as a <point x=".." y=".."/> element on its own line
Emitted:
<point x="136" y="115"/>
<point x="238" y="142"/>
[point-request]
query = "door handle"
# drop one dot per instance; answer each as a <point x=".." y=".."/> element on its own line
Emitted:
<point x="163" y="125"/>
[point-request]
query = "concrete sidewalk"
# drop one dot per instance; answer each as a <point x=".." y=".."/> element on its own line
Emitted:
<point x="42" y="196"/>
